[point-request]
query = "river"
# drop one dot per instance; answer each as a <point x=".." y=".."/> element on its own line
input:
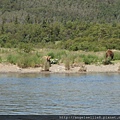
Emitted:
<point x="60" y="94"/>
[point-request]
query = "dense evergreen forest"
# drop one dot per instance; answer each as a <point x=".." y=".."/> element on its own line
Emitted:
<point x="91" y="25"/>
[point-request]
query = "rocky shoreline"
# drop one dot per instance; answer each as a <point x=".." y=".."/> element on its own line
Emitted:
<point x="9" y="68"/>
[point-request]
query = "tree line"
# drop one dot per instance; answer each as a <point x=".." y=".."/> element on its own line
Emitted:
<point x="72" y="35"/>
<point x="36" y="11"/>
<point x="70" y="24"/>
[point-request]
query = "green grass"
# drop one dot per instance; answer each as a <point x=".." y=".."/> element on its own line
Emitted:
<point x="12" y="58"/>
<point x="91" y="59"/>
<point x="34" y="58"/>
<point x="28" y="61"/>
<point x="0" y="59"/>
<point x="116" y="56"/>
<point x="24" y="60"/>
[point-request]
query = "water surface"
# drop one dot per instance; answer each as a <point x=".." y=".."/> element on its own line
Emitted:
<point x="59" y="94"/>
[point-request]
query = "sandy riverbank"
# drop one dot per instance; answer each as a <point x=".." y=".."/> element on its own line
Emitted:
<point x="8" y="68"/>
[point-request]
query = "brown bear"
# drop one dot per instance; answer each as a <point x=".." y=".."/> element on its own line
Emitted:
<point x="109" y="54"/>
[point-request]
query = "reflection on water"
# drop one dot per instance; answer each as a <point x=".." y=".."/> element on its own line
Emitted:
<point x="59" y="94"/>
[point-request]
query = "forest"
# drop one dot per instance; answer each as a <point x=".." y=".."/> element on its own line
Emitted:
<point x="88" y="25"/>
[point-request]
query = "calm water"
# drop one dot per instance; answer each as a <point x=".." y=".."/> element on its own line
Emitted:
<point x="78" y="94"/>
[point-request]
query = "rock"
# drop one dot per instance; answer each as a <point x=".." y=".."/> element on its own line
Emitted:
<point x="119" y="69"/>
<point x="83" y="69"/>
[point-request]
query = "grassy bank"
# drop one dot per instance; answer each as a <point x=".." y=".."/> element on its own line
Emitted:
<point x="34" y="57"/>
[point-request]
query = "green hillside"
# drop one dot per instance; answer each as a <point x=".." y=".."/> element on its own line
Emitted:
<point x="60" y="10"/>
<point x="67" y="24"/>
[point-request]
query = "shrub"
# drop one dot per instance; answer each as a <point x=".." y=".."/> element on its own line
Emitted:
<point x="74" y="48"/>
<point x="27" y="48"/>
<point x="28" y="61"/>
<point x="89" y="59"/>
<point x="116" y="55"/>
<point x="51" y="54"/>
<point x="24" y="60"/>
<point x="60" y="54"/>
<point x="38" y="54"/>
<point x="0" y="59"/>
<point x="12" y="59"/>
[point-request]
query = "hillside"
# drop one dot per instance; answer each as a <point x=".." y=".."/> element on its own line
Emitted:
<point x="60" y="10"/>
<point x="90" y="25"/>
